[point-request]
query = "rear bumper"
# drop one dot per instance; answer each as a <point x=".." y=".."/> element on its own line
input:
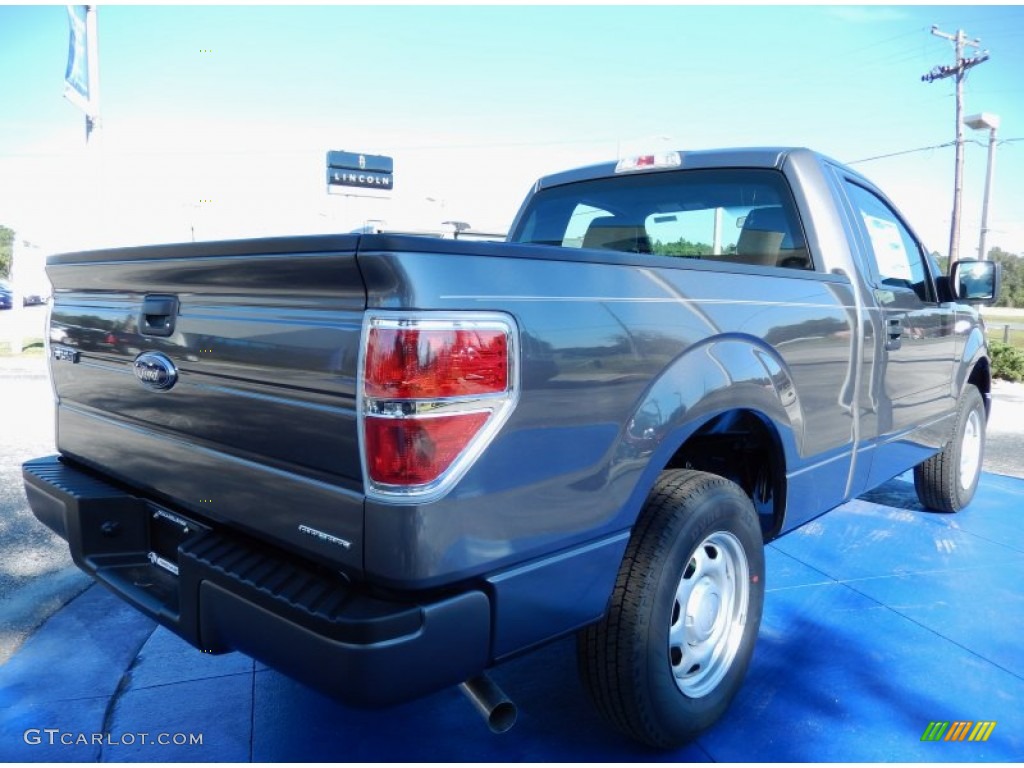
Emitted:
<point x="232" y="593"/>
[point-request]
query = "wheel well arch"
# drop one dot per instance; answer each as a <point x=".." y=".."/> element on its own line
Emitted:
<point x="981" y="377"/>
<point x="744" y="446"/>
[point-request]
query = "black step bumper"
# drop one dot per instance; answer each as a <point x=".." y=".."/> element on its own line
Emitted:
<point x="233" y="593"/>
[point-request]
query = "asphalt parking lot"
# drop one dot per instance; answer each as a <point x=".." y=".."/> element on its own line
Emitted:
<point x="871" y="630"/>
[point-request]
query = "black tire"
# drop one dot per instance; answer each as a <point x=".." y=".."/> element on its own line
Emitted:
<point x="692" y="525"/>
<point x="947" y="481"/>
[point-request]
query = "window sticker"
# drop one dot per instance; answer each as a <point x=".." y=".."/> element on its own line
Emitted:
<point x="890" y="253"/>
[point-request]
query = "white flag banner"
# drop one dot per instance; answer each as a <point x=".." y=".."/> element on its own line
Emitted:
<point x="77" y="75"/>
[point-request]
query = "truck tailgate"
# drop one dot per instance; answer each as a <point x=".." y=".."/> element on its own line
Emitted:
<point x="219" y="378"/>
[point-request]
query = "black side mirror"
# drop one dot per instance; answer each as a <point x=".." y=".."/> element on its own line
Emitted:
<point x="974" y="281"/>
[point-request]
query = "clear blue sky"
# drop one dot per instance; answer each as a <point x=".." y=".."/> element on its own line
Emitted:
<point x="474" y="102"/>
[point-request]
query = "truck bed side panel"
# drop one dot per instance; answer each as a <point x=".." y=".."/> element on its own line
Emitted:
<point x="596" y="338"/>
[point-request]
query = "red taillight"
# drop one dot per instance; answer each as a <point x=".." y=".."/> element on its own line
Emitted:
<point x="417" y="451"/>
<point x="434" y="389"/>
<point x="408" y="363"/>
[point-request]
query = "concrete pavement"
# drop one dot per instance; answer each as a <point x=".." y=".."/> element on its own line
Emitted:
<point x="36" y="573"/>
<point x="1004" y="444"/>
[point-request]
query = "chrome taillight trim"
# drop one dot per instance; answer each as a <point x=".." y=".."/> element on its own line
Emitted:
<point x="498" y="405"/>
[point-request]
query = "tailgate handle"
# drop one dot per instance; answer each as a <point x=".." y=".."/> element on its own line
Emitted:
<point x="158" y="313"/>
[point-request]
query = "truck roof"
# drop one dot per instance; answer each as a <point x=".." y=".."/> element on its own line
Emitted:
<point x="739" y="157"/>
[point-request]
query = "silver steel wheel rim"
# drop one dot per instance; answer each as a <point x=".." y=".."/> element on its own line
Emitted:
<point x="970" y="450"/>
<point x="709" y="614"/>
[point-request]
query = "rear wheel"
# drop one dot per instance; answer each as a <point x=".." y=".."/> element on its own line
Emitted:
<point x="947" y="481"/>
<point x="672" y="651"/>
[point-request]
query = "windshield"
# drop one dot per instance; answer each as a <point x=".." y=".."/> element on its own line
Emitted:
<point x="737" y="215"/>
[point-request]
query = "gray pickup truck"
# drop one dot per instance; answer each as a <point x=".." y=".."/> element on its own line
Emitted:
<point x="384" y="464"/>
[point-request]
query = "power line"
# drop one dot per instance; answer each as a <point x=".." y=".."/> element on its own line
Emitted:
<point x="883" y="41"/>
<point x="902" y="152"/>
<point x="927" y="149"/>
<point x="933" y="146"/>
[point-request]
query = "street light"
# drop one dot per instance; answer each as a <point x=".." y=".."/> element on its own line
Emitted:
<point x="978" y="123"/>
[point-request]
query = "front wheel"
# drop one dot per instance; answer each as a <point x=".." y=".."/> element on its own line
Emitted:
<point x="947" y="481"/>
<point x="671" y="652"/>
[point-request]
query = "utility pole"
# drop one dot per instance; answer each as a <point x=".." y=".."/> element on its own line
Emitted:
<point x="959" y="71"/>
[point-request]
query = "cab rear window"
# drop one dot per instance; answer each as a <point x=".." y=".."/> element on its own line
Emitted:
<point x="736" y="215"/>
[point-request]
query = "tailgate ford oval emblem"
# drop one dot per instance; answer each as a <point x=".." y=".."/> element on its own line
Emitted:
<point x="155" y="371"/>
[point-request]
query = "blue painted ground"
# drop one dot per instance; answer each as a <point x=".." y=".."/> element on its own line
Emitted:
<point x="879" y="619"/>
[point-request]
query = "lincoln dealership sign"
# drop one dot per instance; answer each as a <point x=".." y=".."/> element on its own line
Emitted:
<point x="350" y="169"/>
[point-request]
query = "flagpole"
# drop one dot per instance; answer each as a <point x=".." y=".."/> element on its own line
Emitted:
<point x="94" y="133"/>
<point x="82" y="88"/>
<point x="92" y="116"/>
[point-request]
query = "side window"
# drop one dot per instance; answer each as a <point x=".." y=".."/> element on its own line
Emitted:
<point x="580" y="221"/>
<point x="691" y="233"/>
<point x="764" y="235"/>
<point x="897" y="256"/>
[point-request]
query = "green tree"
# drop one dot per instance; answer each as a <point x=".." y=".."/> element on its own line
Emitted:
<point x="682" y="247"/>
<point x="1011" y="294"/>
<point x="6" y="250"/>
<point x="1007" y="361"/>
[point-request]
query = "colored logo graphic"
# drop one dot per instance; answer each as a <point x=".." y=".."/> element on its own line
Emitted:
<point x="961" y="730"/>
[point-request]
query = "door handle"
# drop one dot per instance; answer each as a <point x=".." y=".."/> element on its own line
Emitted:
<point x="158" y="315"/>
<point x="894" y="332"/>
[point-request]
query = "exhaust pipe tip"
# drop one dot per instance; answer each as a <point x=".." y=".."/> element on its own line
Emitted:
<point x="497" y="709"/>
